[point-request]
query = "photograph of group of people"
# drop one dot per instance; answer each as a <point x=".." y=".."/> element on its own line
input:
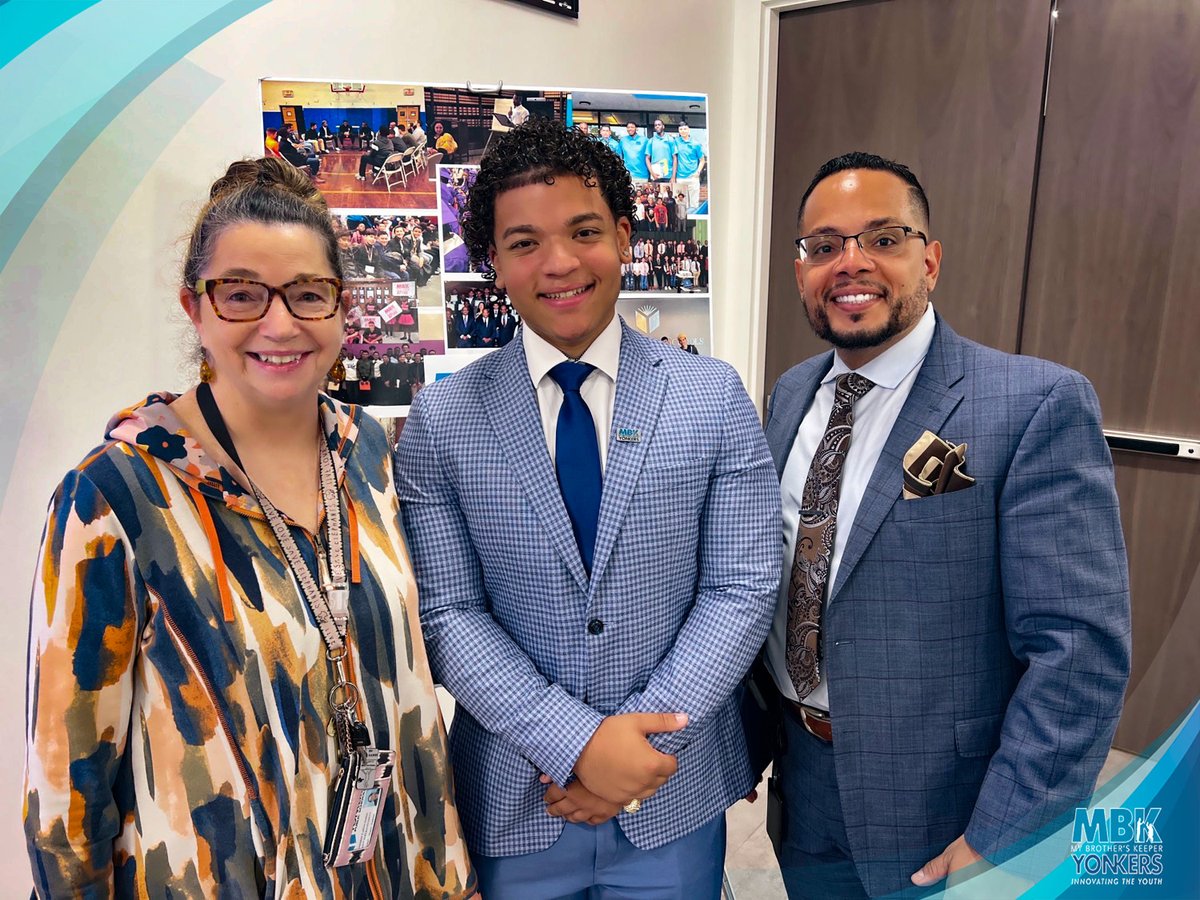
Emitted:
<point x="479" y="316"/>
<point x="454" y="184"/>
<point x="661" y="139"/>
<point x="385" y="154"/>
<point x="392" y="268"/>
<point x="664" y="264"/>
<point x="366" y="145"/>
<point x="379" y="375"/>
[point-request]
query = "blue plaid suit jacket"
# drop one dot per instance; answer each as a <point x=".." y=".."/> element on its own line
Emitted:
<point x="977" y="642"/>
<point x="686" y="566"/>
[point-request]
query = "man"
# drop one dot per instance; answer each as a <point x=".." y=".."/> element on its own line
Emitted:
<point x="592" y="624"/>
<point x="633" y="153"/>
<point x="607" y="139"/>
<point x="484" y="333"/>
<point x="519" y="115"/>
<point x="691" y="160"/>
<point x="660" y="154"/>
<point x="382" y="147"/>
<point x="368" y="256"/>
<point x="464" y="327"/>
<point x="950" y="667"/>
<point x="506" y="327"/>
<point x="684" y="345"/>
<point x="298" y="153"/>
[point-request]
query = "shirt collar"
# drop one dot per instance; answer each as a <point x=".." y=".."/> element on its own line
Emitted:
<point x="892" y="366"/>
<point x="604" y="353"/>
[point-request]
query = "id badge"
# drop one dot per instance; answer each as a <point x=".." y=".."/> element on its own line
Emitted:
<point x="359" y="796"/>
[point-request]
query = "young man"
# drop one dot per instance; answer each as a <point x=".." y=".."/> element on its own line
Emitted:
<point x="691" y="160"/>
<point x="594" y="524"/>
<point x="952" y="640"/>
<point x="633" y="152"/>
<point x="660" y="154"/>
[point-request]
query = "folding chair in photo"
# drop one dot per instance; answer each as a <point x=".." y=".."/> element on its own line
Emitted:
<point x="408" y="163"/>
<point x="392" y="168"/>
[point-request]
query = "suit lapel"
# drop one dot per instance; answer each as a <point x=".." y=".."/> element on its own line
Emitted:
<point x="933" y="397"/>
<point x="512" y="408"/>
<point x="641" y="383"/>
<point x="788" y="408"/>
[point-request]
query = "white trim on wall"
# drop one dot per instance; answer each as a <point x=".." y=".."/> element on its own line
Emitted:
<point x="754" y="69"/>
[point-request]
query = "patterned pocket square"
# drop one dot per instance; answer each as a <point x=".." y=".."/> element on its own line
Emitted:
<point x="932" y="466"/>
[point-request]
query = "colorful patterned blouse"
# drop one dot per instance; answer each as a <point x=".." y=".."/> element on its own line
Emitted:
<point x="178" y="686"/>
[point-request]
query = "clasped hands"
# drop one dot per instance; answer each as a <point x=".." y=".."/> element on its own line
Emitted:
<point x="616" y="766"/>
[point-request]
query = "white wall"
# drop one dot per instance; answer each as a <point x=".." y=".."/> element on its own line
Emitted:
<point x="119" y="338"/>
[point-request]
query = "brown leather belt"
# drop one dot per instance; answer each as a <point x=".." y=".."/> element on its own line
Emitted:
<point x="815" y="721"/>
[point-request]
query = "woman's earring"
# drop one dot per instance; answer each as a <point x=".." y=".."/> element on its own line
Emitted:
<point x="338" y="371"/>
<point x="207" y="375"/>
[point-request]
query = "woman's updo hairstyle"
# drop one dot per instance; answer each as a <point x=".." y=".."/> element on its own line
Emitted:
<point x="268" y="190"/>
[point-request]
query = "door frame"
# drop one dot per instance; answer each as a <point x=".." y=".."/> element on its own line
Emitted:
<point x="755" y="71"/>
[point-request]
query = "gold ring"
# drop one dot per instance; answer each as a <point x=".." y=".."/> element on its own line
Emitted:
<point x="633" y="806"/>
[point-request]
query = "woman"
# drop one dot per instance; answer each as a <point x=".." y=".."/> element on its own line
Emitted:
<point x="444" y="141"/>
<point x="179" y="686"/>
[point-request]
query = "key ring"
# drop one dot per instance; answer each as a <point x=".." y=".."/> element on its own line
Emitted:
<point x="351" y="691"/>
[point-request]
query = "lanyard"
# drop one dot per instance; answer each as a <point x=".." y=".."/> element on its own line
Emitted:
<point x="328" y="604"/>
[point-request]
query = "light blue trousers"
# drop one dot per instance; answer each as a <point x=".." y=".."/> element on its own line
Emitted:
<point x="592" y="862"/>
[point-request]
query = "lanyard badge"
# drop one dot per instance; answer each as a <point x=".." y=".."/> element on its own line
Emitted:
<point x="364" y="775"/>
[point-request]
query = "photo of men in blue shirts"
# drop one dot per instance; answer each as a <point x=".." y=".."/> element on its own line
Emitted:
<point x="633" y="152"/>
<point x="607" y="139"/>
<point x="660" y="154"/>
<point x="690" y="160"/>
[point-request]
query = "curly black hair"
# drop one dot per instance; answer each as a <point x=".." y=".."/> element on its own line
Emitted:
<point x="537" y="151"/>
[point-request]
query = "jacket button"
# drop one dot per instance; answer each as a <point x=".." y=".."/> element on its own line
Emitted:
<point x="595" y="626"/>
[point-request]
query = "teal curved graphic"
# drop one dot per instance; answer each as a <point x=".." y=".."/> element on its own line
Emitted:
<point x="71" y="68"/>
<point x="24" y="22"/>
<point x="62" y="90"/>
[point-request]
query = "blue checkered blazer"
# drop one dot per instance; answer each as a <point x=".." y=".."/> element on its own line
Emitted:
<point x="977" y="643"/>
<point x="686" y="567"/>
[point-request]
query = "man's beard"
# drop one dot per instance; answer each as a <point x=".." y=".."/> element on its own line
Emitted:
<point x="901" y="315"/>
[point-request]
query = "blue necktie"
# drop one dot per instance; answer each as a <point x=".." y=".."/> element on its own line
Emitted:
<point x="577" y="457"/>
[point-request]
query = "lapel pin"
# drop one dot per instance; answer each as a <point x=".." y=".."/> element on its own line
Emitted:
<point x="629" y="435"/>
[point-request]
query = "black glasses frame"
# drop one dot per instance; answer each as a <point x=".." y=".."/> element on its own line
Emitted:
<point x="908" y="230"/>
<point x="208" y="286"/>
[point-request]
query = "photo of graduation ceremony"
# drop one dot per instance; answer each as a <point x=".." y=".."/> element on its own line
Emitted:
<point x="601" y="450"/>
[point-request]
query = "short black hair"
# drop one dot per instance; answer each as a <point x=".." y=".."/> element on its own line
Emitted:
<point x="537" y="151"/>
<point x="861" y="160"/>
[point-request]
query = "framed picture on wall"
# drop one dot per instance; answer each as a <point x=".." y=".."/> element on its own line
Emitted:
<point x="568" y="8"/>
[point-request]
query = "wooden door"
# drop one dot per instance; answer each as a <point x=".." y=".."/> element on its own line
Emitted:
<point x="1114" y="291"/>
<point x="954" y="91"/>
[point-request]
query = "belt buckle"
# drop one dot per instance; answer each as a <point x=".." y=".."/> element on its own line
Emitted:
<point x="808" y="712"/>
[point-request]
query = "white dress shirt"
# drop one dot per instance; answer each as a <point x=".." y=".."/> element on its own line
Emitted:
<point x="893" y="373"/>
<point x="598" y="390"/>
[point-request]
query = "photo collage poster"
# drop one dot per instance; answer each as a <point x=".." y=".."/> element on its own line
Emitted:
<point x="396" y="163"/>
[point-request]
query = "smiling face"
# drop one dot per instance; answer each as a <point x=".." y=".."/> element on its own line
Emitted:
<point x="557" y="252"/>
<point x="859" y="303"/>
<point x="278" y="360"/>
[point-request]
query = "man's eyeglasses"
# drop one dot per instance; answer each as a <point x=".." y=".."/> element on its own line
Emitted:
<point x="243" y="300"/>
<point x="819" y="249"/>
